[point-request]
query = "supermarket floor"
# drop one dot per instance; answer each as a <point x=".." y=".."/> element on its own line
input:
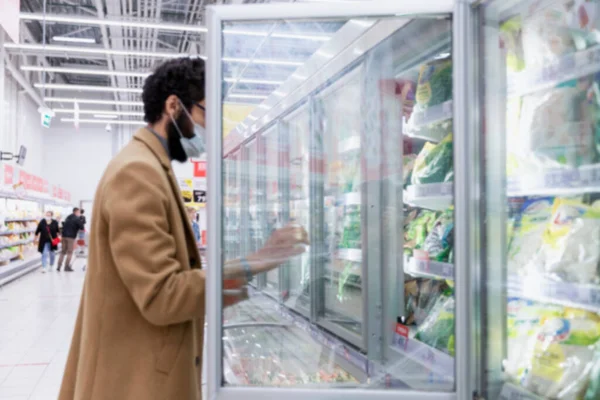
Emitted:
<point x="37" y="314"/>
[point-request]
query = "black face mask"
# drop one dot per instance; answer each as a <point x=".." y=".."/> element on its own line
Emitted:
<point x="173" y="139"/>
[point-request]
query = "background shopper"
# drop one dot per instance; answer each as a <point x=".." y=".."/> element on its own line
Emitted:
<point x="46" y="231"/>
<point x="71" y="227"/>
<point x="195" y="227"/>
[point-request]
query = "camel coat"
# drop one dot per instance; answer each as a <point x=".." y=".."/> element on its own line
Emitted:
<point x="139" y="331"/>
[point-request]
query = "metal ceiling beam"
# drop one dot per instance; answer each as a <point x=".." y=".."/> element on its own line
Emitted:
<point x="102" y="21"/>
<point x="23" y="82"/>
<point x="109" y="60"/>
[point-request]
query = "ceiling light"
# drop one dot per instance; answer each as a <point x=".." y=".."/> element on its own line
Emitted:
<point x="92" y="101"/>
<point x="72" y="110"/>
<point x="70" y="19"/>
<point x="107" y="116"/>
<point x="247" y="96"/>
<point x="89" y="88"/>
<point x="90" y="50"/>
<point x="253" y="81"/>
<point x="262" y="61"/>
<point x="83" y="71"/>
<point x="300" y="36"/>
<point x="103" y="51"/>
<point x="277" y="35"/>
<point x="69" y="39"/>
<point x="103" y="121"/>
<point x="162" y="26"/>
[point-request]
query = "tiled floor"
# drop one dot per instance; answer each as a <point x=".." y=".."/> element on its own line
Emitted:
<point x="37" y="313"/>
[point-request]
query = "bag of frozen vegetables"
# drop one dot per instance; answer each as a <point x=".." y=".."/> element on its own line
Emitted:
<point x="560" y="356"/>
<point x="435" y="83"/>
<point x="438" y="328"/>
<point x="434" y="163"/>
<point x="570" y="249"/>
<point x="440" y="240"/>
<point x="417" y="230"/>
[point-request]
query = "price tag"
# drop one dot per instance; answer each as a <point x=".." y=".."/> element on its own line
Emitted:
<point x="510" y="392"/>
<point x="562" y="178"/>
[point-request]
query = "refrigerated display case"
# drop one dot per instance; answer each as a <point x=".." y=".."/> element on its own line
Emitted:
<point x="356" y="144"/>
<point x="541" y="112"/>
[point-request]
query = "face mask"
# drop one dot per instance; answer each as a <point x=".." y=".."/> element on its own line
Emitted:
<point x="194" y="147"/>
<point x="48" y="219"/>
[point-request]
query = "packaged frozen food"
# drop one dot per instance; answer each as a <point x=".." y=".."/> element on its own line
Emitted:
<point x="434" y="163"/>
<point x="440" y="239"/>
<point x="529" y="228"/>
<point x="570" y="249"/>
<point x="545" y="33"/>
<point x="435" y="83"/>
<point x="559" y="357"/>
<point x="524" y="317"/>
<point x="351" y="237"/>
<point x="421" y="295"/>
<point x="510" y="35"/>
<point x="417" y="230"/>
<point x="437" y="330"/>
<point x="593" y="389"/>
<point x="584" y="23"/>
<point x="555" y="126"/>
<point x="408" y="162"/>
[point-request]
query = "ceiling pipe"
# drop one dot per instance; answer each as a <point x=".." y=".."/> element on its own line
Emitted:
<point x="109" y="60"/>
<point x="23" y="82"/>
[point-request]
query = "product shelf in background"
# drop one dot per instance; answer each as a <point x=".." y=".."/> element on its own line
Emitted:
<point x="429" y="268"/>
<point x="19" y="243"/>
<point x="583" y="296"/>
<point x="556" y="181"/>
<point x="16" y="232"/>
<point x="421" y="119"/>
<point x="18" y="268"/>
<point x="569" y="66"/>
<point x="20" y="219"/>
<point x="514" y="392"/>
<point x="433" y="196"/>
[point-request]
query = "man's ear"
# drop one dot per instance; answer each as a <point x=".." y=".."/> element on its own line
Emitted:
<point x="172" y="106"/>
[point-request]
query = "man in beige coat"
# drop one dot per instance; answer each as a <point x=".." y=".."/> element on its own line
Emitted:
<point x="139" y="331"/>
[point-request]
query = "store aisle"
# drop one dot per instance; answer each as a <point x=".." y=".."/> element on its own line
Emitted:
<point x="37" y="314"/>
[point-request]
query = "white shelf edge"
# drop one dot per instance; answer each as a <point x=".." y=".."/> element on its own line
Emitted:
<point x="429" y="268"/>
<point x="511" y="391"/>
<point x="434" y="196"/>
<point x="570" y="66"/>
<point x="429" y="116"/>
<point x="556" y="181"/>
<point x="35" y="262"/>
<point x="583" y="296"/>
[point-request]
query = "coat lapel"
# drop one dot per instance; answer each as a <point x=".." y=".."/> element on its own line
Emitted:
<point x="149" y="139"/>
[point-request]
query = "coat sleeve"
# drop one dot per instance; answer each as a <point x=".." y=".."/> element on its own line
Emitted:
<point x="143" y="249"/>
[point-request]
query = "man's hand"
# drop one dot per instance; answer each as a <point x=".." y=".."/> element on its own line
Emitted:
<point x="282" y="245"/>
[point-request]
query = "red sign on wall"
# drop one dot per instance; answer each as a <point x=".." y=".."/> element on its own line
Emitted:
<point x="199" y="169"/>
<point x="9" y="173"/>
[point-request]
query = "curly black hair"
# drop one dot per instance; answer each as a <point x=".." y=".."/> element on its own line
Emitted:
<point x="183" y="77"/>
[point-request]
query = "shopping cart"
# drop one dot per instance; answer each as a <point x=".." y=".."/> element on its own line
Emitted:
<point x="82" y="248"/>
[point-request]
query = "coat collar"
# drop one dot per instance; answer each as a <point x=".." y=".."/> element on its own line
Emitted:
<point x="146" y="136"/>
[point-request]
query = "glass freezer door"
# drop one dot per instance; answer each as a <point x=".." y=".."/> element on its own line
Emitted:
<point x="347" y="203"/>
<point x="543" y="239"/>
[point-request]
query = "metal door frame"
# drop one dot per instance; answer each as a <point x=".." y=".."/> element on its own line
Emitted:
<point x="463" y="83"/>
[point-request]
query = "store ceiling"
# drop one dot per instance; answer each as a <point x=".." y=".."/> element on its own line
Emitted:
<point x="80" y="49"/>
